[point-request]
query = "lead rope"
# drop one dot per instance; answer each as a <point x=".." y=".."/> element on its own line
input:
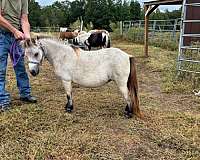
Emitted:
<point x="15" y="52"/>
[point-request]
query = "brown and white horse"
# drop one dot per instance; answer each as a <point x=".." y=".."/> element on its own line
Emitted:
<point x="67" y="35"/>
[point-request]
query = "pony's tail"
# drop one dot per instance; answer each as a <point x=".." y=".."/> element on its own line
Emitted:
<point x="108" y="42"/>
<point x="105" y="40"/>
<point x="132" y="85"/>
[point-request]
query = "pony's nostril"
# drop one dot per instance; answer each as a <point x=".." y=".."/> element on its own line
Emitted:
<point x="33" y="72"/>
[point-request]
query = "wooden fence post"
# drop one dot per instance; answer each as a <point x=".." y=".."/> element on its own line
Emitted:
<point x="146" y="32"/>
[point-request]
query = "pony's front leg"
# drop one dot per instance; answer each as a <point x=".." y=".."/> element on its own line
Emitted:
<point x="68" y="88"/>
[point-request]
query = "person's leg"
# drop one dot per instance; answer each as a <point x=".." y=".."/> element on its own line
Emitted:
<point x="23" y="79"/>
<point x="4" y="95"/>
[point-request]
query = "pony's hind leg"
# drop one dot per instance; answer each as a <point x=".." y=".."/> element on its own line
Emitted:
<point x="128" y="109"/>
<point x="68" y="88"/>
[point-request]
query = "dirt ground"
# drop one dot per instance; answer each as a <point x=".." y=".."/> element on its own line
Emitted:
<point x="97" y="129"/>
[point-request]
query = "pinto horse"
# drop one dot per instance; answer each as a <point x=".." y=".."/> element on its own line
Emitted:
<point x="87" y="68"/>
<point x="94" y="38"/>
<point x="81" y="38"/>
<point x="98" y="39"/>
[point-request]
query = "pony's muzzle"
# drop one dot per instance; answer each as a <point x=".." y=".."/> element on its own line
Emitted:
<point x="34" y="72"/>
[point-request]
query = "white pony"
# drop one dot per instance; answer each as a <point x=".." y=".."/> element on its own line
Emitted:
<point x="89" y="69"/>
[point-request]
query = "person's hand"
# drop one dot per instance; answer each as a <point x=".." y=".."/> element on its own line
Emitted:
<point x="27" y="36"/>
<point x="19" y="35"/>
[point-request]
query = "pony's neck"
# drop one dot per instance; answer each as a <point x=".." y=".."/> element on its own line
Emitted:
<point x="55" y="50"/>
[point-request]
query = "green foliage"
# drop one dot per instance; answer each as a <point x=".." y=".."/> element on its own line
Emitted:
<point x="98" y="13"/>
<point x="158" y="15"/>
<point x="57" y="14"/>
<point x="135" y="35"/>
<point x="135" y="10"/>
<point x="34" y="13"/>
<point x="77" y="10"/>
<point x="173" y="14"/>
<point x="166" y="15"/>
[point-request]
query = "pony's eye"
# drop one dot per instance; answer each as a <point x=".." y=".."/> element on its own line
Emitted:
<point x="36" y="54"/>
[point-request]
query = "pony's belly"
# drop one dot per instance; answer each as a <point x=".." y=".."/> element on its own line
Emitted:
<point x="90" y="81"/>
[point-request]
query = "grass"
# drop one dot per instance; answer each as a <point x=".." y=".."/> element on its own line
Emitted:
<point x="97" y="128"/>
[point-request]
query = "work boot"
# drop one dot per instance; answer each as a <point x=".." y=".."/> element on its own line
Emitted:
<point x="4" y="107"/>
<point x="29" y="99"/>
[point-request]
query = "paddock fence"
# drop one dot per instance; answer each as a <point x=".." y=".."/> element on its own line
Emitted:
<point x="162" y="33"/>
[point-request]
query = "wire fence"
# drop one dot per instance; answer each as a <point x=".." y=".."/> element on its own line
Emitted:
<point x="45" y="29"/>
<point x="162" y="33"/>
<point x="51" y="29"/>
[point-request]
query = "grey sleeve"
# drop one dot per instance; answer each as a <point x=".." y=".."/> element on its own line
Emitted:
<point x="0" y="4"/>
<point x="25" y="6"/>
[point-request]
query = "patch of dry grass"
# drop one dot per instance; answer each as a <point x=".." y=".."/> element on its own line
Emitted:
<point x="97" y="128"/>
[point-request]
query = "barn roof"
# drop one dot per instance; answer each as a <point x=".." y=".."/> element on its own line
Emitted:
<point x="163" y="2"/>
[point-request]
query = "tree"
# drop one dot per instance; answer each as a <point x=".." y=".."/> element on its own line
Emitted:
<point x="174" y="14"/>
<point x="98" y="13"/>
<point x="125" y="15"/>
<point x="122" y="11"/>
<point x="34" y="13"/>
<point x="57" y="14"/>
<point x="158" y="15"/>
<point x="135" y="10"/>
<point x="77" y="10"/>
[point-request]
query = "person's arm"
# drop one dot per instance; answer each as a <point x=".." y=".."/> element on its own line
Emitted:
<point x="7" y="25"/>
<point x="25" y="26"/>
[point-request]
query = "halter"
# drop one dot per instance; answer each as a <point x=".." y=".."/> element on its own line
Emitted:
<point x="43" y="55"/>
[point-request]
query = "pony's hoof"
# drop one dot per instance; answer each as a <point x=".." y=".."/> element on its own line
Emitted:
<point x="69" y="110"/>
<point x="128" y="114"/>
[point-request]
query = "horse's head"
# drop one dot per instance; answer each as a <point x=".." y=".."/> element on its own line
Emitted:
<point x="35" y="53"/>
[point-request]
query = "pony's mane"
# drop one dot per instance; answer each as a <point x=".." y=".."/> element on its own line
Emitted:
<point x="47" y="38"/>
<point x="76" y="49"/>
<point x="56" y="40"/>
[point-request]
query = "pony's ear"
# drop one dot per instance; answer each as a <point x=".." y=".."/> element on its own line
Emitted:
<point x="22" y="43"/>
<point x="33" y="40"/>
<point x="26" y="43"/>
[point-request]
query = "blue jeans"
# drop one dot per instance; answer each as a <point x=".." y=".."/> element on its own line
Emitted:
<point x="6" y="40"/>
